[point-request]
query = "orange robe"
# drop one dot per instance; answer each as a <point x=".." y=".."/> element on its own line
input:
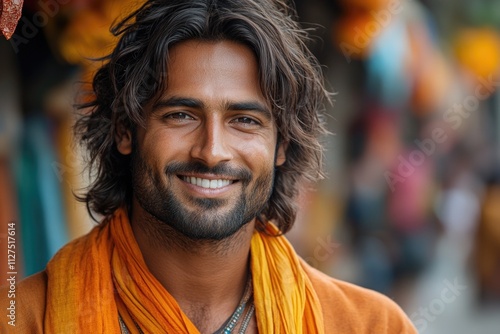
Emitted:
<point x="308" y="301"/>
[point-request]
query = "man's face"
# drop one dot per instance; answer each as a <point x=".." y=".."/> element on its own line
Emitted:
<point x="205" y="162"/>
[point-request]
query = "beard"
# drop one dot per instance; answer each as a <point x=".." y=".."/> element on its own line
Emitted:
<point x="200" y="218"/>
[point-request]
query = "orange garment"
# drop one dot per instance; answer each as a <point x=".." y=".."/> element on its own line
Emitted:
<point x="103" y="273"/>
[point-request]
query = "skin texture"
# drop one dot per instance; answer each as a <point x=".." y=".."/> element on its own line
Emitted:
<point x="212" y="122"/>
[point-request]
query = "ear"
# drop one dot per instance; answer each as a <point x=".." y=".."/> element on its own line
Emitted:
<point x="281" y="153"/>
<point x="123" y="140"/>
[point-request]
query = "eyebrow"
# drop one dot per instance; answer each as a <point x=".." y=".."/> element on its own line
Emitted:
<point x="249" y="106"/>
<point x="176" y="101"/>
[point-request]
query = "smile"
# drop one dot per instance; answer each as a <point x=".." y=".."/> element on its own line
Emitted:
<point x="206" y="183"/>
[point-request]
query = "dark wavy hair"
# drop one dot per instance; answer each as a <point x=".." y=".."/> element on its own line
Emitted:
<point x="135" y="73"/>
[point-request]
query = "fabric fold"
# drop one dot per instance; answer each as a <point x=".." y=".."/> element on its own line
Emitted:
<point x="103" y="274"/>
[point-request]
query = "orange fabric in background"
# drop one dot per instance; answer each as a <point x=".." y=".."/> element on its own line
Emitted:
<point x="88" y="34"/>
<point x="478" y="51"/>
<point x="88" y="38"/>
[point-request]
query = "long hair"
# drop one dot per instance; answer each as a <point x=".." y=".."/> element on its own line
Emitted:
<point x="135" y="74"/>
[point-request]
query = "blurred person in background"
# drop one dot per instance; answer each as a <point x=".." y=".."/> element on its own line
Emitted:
<point x="486" y="259"/>
<point x="204" y="123"/>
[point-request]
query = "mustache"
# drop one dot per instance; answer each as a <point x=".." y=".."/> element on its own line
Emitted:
<point x="222" y="169"/>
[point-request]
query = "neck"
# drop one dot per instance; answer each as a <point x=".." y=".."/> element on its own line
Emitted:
<point x="207" y="278"/>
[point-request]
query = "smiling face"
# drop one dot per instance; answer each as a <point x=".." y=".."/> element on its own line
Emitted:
<point x="204" y="163"/>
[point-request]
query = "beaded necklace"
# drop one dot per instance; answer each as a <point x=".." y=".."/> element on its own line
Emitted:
<point x="230" y="323"/>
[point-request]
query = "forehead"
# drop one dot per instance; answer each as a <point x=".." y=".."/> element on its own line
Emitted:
<point x="213" y="70"/>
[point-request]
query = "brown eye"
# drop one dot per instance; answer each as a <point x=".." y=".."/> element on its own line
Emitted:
<point x="246" y="120"/>
<point x="178" y="116"/>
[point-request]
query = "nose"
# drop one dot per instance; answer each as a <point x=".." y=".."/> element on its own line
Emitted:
<point x="211" y="145"/>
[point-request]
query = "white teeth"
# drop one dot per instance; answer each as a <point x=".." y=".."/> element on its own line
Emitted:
<point x="205" y="183"/>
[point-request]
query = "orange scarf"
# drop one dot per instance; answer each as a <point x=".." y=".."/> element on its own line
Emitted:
<point x="103" y="274"/>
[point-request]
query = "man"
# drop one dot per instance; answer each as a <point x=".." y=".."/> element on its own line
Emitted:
<point x="204" y="122"/>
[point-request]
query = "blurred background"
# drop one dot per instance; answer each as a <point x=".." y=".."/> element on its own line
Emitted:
<point x="411" y="204"/>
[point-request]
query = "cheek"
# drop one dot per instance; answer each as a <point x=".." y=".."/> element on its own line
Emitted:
<point x="152" y="157"/>
<point x="160" y="146"/>
<point x="259" y="156"/>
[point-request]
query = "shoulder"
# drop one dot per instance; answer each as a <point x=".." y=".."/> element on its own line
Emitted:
<point x="26" y="300"/>
<point x="348" y="308"/>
